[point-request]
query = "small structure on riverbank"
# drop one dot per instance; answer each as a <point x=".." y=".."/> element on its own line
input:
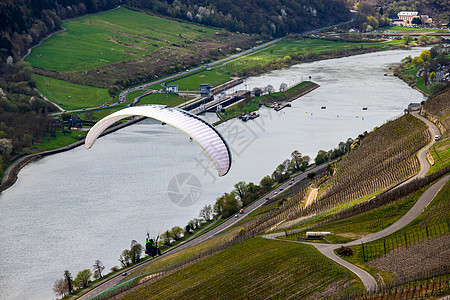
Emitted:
<point x="414" y="107"/>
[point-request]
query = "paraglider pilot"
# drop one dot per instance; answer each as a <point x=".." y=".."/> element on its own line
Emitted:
<point x="151" y="247"/>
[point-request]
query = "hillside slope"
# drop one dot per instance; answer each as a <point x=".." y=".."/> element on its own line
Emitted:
<point x="385" y="158"/>
<point x="437" y="109"/>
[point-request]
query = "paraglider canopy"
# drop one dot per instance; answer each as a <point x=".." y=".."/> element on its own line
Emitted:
<point x="203" y="133"/>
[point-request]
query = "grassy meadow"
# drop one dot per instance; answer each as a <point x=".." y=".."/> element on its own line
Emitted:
<point x="110" y="37"/>
<point x="70" y="95"/>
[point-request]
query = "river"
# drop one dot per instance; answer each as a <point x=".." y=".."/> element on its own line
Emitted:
<point x="67" y="210"/>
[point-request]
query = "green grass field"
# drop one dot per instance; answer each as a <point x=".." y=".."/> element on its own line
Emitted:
<point x="254" y="268"/>
<point x="70" y="95"/>
<point x="214" y="77"/>
<point x="61" y="140"/>
<point x="170" y="99"/>
<point x="410" y="74"/>
<point x="441" y="155"/>
<point x="407" y="29"/>
<point x="110" y="37"/>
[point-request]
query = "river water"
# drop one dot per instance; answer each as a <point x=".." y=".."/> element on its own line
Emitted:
<point x="68" y="210"/>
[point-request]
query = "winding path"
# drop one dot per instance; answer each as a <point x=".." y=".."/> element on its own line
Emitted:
<point x="367" y="279"/>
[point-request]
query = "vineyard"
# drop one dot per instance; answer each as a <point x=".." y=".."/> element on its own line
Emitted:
<point x="385" y="158"/>
<point x="425" y="241"/>
<point x="437" y="109"/>
<point x="254" y="268"/>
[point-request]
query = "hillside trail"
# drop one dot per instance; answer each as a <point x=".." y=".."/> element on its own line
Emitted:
<point x="369" y="282"/>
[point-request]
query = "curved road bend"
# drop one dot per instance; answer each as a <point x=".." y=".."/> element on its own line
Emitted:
<point x="117" y="279"/>
<point x="369" y="282"/>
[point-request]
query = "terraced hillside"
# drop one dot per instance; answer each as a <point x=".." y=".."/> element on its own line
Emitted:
<point x="256" y="268"/>
<point x="385" y="158"/>
<point x="437" y="109"/>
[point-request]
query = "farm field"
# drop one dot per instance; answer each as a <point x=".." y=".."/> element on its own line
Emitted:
<point x="70" y="95"/>
<point x="225" y="275"/>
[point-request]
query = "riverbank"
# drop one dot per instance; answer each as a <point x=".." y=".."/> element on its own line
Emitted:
<point x="249" y="105"/>
<point x="11" y="174"/>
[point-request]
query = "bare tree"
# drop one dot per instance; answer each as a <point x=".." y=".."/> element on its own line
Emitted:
<point x="257" y="91"/>
<point x="60" y="288"/>
<point x="283" y="87"/>
<point x="206" y="212"/>
<point x="98" y="269"/>
<point x="270" y="89"/>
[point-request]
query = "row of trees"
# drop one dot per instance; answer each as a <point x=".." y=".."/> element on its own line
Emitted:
<point x="266" y="17"/>
<point x="23" y="112"/>
<point x="67" y="285"/>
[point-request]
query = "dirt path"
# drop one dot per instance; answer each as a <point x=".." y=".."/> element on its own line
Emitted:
<point x="311" y="197"/>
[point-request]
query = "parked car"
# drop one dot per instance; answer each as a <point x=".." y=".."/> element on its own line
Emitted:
<point x="437" y="137"/>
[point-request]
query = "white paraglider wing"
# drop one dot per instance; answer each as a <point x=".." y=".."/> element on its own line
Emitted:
<point x="199" y="130"/>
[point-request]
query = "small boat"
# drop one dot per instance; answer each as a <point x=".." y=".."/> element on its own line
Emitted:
<point x="323" y="107"/>
<point x="364" y="108"/>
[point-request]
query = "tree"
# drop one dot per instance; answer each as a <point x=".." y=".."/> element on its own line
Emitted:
<point x="60" y="288"/>
<point x="407" y="38"/>
<point x="257" y="91"/>
<point x="266" y="183"/>
<point x="240" y="189"/>
<point x="270" y="89"/>
<point x="330" y="169"/>
<point x="177" y="233"/>
<point x="125" y="258"/>
<point x="423" y="38"/>
<point x="206" y="212"/>
<point x="432" y="76"/>
<point x="310" y="175"/>
<point x="166" y="238"/>
<point x="135" y="251"/>
<point x="83" y="278"/>
<point x="321" y="157"/>
<point x="283" y="87"/>
<point x="425" y="55"/>
<point x="226" y="205"/>
<point x="416" y="21"/>
<point x="68" y="279"/>
<point x="296" y="160"/>
<point x="112" y="91"/>
<point x="98" y="269"/>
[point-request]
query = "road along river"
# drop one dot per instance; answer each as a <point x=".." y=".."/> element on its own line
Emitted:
<point x="67" y="210"/>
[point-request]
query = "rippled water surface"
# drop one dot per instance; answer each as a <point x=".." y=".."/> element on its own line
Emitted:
<point x="67" y="210"/>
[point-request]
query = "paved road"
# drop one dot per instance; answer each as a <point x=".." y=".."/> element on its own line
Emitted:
<point x="191" y="242"/>
<point x="369" y="282"/>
